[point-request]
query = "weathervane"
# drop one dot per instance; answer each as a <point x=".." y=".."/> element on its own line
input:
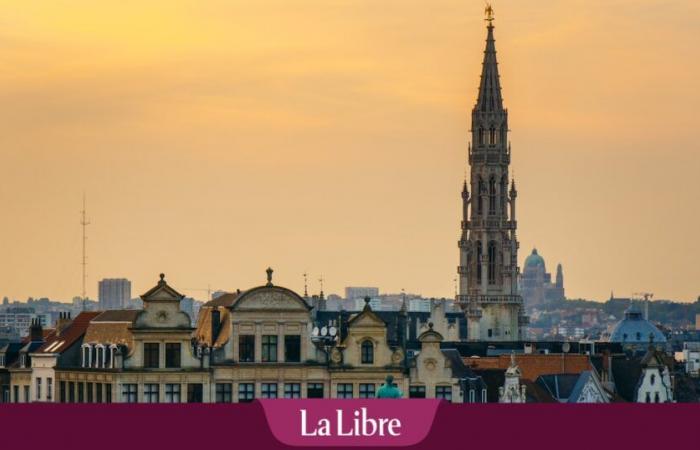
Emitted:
<point x="489" y="13"/>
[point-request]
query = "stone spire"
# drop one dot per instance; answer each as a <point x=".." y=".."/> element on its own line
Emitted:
<point x="489" y="99"/>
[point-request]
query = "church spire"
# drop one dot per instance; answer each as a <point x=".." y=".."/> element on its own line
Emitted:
<point x="489" y="99"/>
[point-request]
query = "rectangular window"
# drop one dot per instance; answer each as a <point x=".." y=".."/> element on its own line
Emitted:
<point x="151" y="393"/>
<point x="314" y="390"/>
<point x="89" y="392"/>
<point x="151" y="355"/>
<point x="472" y="396"/>
<point x="444" y="393"/>
<point x="194" y="393"/>
<point x="292" y="390"/>
<point x="108" y="393"/>
<point x="246" y="392"/>
<point x="269" y="348"/>
<point x="172" y="393"/>
<point x="49" y="389"/>
<point x="98" y="393"/>
<point x="172" y="355"/>
<point x="344" y="390"/>
<point x="268" y="390"/>
<point x="130" y="393"/>
<point x="416" y="392"/>
<point x="246" y="348"/>
<point x="62" y="391"/>
<point x="224" y="393"/>
<point x="81" y="392"/>
<point x="71" y="392"/>
<point x="366" y="390"/>
<point x="16" y="394"/>
<point x="38" y="389"/>
<point x="292" y="348"/>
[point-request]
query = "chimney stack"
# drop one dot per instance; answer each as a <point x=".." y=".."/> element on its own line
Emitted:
<point x="36" y="333"/>
<point x="63" y="322"/>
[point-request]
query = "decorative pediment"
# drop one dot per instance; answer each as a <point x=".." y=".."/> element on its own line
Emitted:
<point x="270" y="298"/>
<point x="367" y="318"/>
<point x="161" y="292"/>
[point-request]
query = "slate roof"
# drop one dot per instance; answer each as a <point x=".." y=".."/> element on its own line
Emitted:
<point x="564" y="387"/>
<point x="117" y="315"/>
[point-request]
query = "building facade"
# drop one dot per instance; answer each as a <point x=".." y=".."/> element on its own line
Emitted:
<point x="114" y="293"/>
<point x="488" y="267"/>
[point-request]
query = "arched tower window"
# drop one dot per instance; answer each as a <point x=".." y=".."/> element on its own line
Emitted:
<point x="492" y="262"/>
<point x="492" y="196"/>
<point x="479" y="256"/>
<point x="367" y="352"/>
<point x="481" y="136"/>
<point x="492" y="136"/>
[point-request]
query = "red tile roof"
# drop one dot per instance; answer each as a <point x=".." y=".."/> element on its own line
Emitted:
<point x="533" y="366"/>
<point x="58" y="343"/>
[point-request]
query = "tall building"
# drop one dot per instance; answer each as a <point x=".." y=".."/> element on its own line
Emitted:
<point x="488" y="268"/>
<point x="536" y="286"/>
<point x="114" y="293"/>
<point x="355" y="292"/>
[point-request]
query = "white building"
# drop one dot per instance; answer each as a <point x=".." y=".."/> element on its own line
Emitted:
<point x="655" y="382"/>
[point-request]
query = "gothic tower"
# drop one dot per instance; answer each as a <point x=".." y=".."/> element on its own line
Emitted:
<point x="488" y="268"/>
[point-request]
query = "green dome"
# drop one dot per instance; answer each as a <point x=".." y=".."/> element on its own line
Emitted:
<point x="534" y="260"/>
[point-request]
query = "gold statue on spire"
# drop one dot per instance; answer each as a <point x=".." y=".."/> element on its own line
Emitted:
<point x="489" y="13"/>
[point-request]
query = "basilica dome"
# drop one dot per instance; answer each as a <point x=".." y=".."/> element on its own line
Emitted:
<point x="534" y="260"/>
<point x="635" y="329"/>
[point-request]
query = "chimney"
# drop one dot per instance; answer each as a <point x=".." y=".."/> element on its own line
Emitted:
<point x="36" y="333"/>
<point x="63" y="322"/>
<point x="215" y="323"/>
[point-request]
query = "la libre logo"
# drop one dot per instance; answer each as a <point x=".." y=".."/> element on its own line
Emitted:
<point x="358" y="424"/>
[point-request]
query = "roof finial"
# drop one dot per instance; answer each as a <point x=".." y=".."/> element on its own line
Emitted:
<point x="306" y="291"/>
<point x="489" y="13"/>
<point x="269" y="276"/>
<point x="162" y="278"/>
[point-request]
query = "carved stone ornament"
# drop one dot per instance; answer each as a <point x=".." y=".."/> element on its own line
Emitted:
<point x="336" y="356"/>
<point x="397" y="356"/>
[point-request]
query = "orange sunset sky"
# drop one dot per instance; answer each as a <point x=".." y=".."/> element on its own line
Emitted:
<point x="214" y="138"/>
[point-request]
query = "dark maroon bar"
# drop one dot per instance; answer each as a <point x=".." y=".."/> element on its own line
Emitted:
<point x="198" y="427"/>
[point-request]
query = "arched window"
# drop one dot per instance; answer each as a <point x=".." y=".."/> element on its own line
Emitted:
<point x="656" y="398"/>
<point x="483" y="396"/>
<point x="492" y="196"/>
<point x="492" y="262"/>
<point x="479" y="257"/>
<point x="492" y="136"/>
<point x="367" y="352"/>
<point x="87" y="355"/>
<point x="472" y="396"/>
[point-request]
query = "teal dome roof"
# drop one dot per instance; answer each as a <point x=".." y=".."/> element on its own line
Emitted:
<point x="635" y="329"/>
<point x="534" y="260"/>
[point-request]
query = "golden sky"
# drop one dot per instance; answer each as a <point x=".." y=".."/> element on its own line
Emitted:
<point x="216" y="137"/>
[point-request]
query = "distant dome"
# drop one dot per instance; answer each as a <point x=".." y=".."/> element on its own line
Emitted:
<point x="635" y="329"/>
<point x="534" y="260"/>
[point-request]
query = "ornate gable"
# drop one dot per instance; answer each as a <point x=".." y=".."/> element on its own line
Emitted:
<point x="270" y="298"/>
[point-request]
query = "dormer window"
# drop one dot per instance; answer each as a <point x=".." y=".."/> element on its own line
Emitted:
<point x="87" y="355"/>
<point x="367" y="352"/>
<point x="23" y="361"/>
<point x="2" y="360"/>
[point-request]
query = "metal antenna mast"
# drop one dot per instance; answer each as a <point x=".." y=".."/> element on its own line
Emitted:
<point x="84" y="223"/>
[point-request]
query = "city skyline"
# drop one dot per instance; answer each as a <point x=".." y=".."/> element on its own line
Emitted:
<point x="312" y="143"/>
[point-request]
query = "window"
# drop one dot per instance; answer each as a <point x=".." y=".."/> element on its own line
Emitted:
<point x="492" y="136"/>
<point x="62" y="391"/>
<point x="98" y="392"/>
<point x="16" y="394"/>
<point x="292" y="348"/>
<point x="194" y="393"/>
<point x="2" y="360"/>
<point x="366" y="390"/>
<point x="492" y="196"/>
<point x="38" y="389"/>
<point x="151" y="355"/>
<point x="246" y="392"/>
<point x="172" y="354"/>
<point x="479" y="196"/>
<point x="108" y="393"/>
<point x="269" y="348"/>
<point x="481" y="136"/>
<point x="172" y="393"/>
<point x="314" y="390"/>
<point x="150" y="393"/>
<point x="130" y="393"/>
<point x="472" y="396"/>
<point x="81" y="392"/>
<point x="49" y="389"/>
<point x="246" y="348"/>
<point x="89" y="392"/>
<point x="367" y="352"/>
<point x="656" y="397"/>
<point x="344" y="390"/>
<point x="484" y="397"/>
<point x="652" y="379"/>
<point x="648" y="398"/>
<point x="492" y="262"/>
<point x="268" y="390"/>
<point x="416" y="392"/>
<point x="292" y="390"/>
<point x="490" y="332"/>
<point x="71" y="392"/>
<point x="444" y="393"/>
<point x="479" y="257"/>
<point x="224" y="393"/>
